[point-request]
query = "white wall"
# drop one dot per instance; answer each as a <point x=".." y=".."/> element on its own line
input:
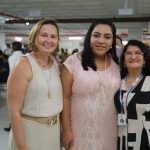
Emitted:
<point x="2" y="41"/>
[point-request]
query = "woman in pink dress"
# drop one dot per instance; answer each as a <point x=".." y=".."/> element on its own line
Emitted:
<point x="90" y="79"/>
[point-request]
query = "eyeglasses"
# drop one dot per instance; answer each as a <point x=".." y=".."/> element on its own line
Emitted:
<point x="137" y="54"/>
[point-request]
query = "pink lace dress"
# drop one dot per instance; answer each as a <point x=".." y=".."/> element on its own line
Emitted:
<point x="93" y="117"/>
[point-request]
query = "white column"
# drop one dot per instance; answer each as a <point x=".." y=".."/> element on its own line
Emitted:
<point x="2" y="41"/>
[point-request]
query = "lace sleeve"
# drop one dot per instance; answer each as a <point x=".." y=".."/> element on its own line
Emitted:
<point x="70" y="63"/>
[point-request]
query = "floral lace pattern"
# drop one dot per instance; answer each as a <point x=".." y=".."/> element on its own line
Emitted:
<point x="94" y="124"/>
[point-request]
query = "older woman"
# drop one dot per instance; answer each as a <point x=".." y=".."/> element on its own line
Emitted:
<point x="133" y="99"/>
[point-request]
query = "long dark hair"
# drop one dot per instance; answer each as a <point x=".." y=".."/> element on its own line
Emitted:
<point x="144" y="49"/>
<point x="87" y="53"/>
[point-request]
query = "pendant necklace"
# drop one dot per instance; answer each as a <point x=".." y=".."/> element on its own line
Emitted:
<point x="102" y="84"/>
<point x="48" y="82"/>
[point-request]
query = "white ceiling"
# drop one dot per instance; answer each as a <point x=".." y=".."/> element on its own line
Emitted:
<point x="71" y="10"/>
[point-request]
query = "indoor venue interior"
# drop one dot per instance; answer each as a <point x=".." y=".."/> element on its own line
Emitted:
<point x="17" y="17"/>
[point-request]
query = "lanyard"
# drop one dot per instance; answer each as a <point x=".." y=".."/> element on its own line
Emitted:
<point x="129" y="90"/>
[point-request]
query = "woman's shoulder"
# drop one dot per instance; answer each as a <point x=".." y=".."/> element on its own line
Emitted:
<point x="146" y="83"/>
<point x="22" y="69"/>
<point x="73" y="58"/>
<point x="114" y="64"/>
<point x="22" y="62"/>
<point x="23" y="65"/>
<point x="73" y="62"/>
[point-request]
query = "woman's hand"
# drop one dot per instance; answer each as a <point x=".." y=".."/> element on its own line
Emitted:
<point x="67" y="139"/>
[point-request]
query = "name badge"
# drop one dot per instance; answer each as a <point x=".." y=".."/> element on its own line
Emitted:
<point x="122" y="120"/>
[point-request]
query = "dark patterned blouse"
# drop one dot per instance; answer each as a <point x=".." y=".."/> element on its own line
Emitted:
<point x="136" y="134"/>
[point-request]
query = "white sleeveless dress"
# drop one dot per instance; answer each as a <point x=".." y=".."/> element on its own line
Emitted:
<point x="36" y="103"/>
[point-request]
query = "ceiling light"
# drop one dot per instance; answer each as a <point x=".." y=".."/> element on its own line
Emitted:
<point x="27" y="23"/>
<point x="124" y="42"/>
<point x="3" y="19"/>
<point x="19" y="39"/>
<point x="75" y="38"/>
<point x="125" y="11"/>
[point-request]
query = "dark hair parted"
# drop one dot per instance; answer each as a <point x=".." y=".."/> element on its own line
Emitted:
<point x="144" y="49"/>
<point x="118" y="37"/>
<point x="35" y="30"/>
<point x="16" y="46"/>
<point x="87" y="53"/>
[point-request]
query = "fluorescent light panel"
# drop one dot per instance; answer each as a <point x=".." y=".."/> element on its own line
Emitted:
<point x="75" y="38"/>
<point x="124" y="42"/>
<point x="19" y="39"/>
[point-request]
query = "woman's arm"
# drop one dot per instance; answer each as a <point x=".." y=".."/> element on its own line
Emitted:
<point x="17" y="83"/>
<point x="67" y="81"/>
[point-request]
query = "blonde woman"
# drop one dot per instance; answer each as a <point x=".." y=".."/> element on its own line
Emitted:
<point x="35" y="93"/>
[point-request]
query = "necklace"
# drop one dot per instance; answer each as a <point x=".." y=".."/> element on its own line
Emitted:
<point x="45" y="65"/>
<point x="102" y="84"/>
<point x="41" y="64"/>
<point x="47" y="78"/>
<point x="48" y="82"/>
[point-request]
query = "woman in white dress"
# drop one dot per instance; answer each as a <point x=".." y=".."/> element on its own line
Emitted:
<point x="35" y="93"/>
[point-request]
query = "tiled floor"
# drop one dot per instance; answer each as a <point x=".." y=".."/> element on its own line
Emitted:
<point x="4" y="121"/>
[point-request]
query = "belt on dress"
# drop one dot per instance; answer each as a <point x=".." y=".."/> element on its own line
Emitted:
<point x="51" y="120"/>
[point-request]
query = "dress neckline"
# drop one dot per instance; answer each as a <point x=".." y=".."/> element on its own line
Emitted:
<point x="107" y="68"/>
<point x="35" y="61"/>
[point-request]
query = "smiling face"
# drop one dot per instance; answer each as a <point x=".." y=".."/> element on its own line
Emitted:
<point x="134" y="58"/>
<point x="101" y="39"/>
<point x="47" y="39"/>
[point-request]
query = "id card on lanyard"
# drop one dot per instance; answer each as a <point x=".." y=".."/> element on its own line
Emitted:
<point x="122" y="118"/>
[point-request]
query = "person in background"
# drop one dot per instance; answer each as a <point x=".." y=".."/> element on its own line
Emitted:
<point x="8" y="50"/>
<point x="16" y="54"/>
<point x="4" y="68"/>
<point x="63" y="55"/>
<point x="25" y="49"/>
<point x="119" y="47"/>
<point x="75" y="51"/>
<point x="35" y="93"/>
<point x="13" y="59"/>
<point x="90" y="79"/>
<point x="133" y="99"/>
